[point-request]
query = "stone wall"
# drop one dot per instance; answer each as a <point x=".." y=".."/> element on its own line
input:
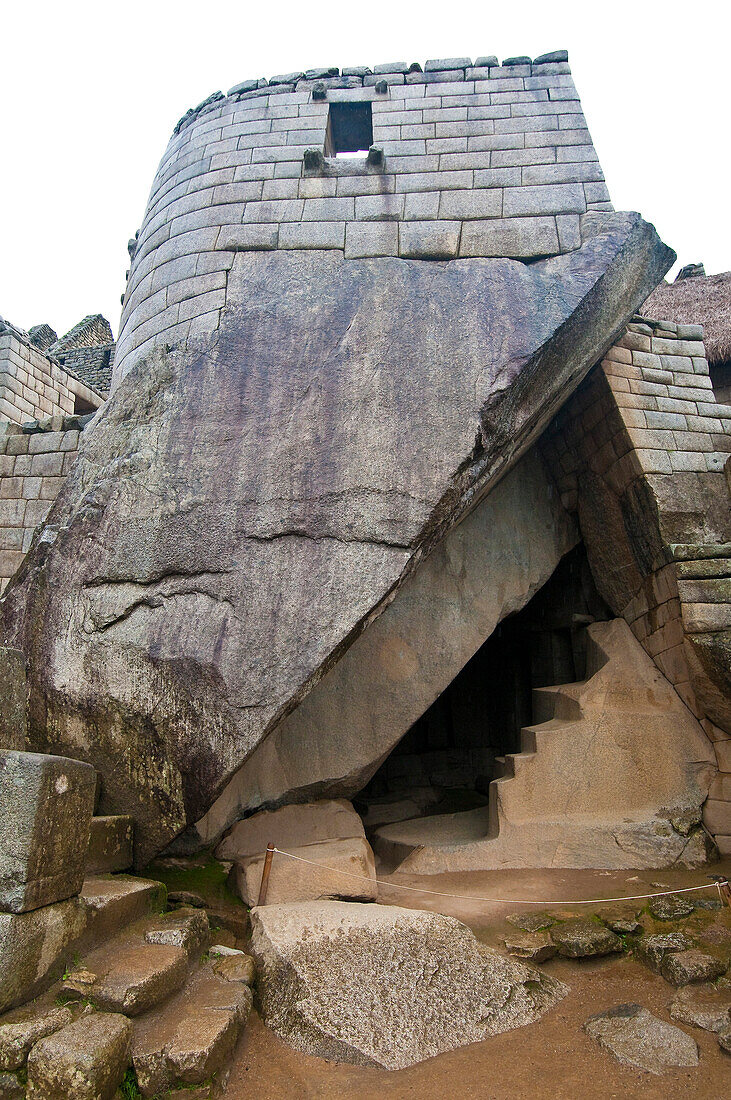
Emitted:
<point x="34" y="386"/>
<point x="33" y="468"/>
<point x="639" y="452"/>
<point x="477" y="160"/>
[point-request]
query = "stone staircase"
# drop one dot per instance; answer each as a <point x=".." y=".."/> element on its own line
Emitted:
<point x="99" y="980"/>
<point x="612" y="773"/>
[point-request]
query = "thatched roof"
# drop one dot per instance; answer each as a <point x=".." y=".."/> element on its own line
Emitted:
<point x="700" y="300"/>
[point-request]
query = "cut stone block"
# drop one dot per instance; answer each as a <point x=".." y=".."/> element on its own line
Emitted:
<point x="46" y="803"/>
<point x="186" y="928"/>
<point x="378" y="985"/>
<point x="637" y="1038"/>
<point x="291" y="827"/>
<point x="12" y="694"/>
<point x="110" y="844"/>
<point x="85" y="1060"/>
<point x="33" y="947"/>
<point x="343" y="869"/>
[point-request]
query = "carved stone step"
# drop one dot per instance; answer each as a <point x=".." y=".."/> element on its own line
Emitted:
<point x="189" y="1039"/>
<point x="114" y="902"/>
<point x="130" y="978"/>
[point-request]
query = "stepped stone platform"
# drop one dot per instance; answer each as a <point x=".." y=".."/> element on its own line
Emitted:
<point x="554" y="807"/>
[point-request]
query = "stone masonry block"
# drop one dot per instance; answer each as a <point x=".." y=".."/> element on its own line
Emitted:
<point x="33" y="947"/>
<point x="429" y="240"/>
<point x="519" y="238"/>
<point x="312" y="235"/>
<point x="548" y="199"/>
<point x="371" y="239"/>
<point x="46" y="804"/>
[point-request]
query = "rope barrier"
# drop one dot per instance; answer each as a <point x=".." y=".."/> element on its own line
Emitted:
<point x="504" y="901"/>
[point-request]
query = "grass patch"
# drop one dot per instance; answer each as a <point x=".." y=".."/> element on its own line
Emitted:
<point x="129" y="1088"/>
<point x="205" y="877"/>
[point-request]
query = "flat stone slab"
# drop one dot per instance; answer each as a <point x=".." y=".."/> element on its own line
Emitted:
<point x="637" y="1038"/>
<point x="378" y="985"/>
<point x="112" y="902"/>
<point x="46" y="803"/>
<point x="291" y="827"/>
<point x="580" y="939"/>
<point x="703" y="1006"/>
<point x="85" y="1060"/>
<point x="684" y="967"/>
<point x="33" y="946"/>
<point x="335" y="869"/>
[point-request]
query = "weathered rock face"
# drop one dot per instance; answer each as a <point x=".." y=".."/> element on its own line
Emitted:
<point x="12" y="694"/>
<point x="384" y="986"/>
<point x="243" y="507"/>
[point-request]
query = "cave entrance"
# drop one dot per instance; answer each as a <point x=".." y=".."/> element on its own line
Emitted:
<point x="447" y="759"/>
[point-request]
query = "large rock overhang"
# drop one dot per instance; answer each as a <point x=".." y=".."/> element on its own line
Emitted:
<point x="246" y="504"/>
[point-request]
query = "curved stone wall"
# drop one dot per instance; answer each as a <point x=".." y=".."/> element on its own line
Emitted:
<point x="467" y="160"/>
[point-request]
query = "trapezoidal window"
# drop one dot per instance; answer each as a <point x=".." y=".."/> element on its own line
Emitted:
<point x="349" y="130"/>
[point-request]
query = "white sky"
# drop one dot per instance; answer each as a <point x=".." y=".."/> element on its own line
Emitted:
<point x="90" y="93"/>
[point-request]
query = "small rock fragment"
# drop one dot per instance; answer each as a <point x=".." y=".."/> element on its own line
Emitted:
<point x="236" y="968"/>
<point x="531" y="922"/>
<point x="78" y="984"/>
<point x="670" y="907"/>
<point x="578" y="939"/>
<point x="186" y="897"/>
<point x="684" y="967"/>
<point x="220" y="949"/>
<point x="703" y="1006"/>
<point x="624" y="926"/>
<point x="637" y="1038"/>
<point x="185" y="927"/>
<point x="724" y="1041"/>
<point x="653" y="949"/>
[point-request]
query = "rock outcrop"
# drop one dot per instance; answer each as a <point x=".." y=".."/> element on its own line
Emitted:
<point x="245" y="506"/>
<point x="378" y="985"/>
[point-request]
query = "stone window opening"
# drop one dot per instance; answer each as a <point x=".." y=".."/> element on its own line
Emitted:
<point x="349" y="133"/>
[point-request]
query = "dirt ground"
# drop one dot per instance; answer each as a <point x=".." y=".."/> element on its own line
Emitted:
<point x="552" y="1058"/>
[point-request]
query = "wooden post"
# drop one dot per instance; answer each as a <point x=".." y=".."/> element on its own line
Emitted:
<point x="726" y="891"/>
<point x="265" y="874"/>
